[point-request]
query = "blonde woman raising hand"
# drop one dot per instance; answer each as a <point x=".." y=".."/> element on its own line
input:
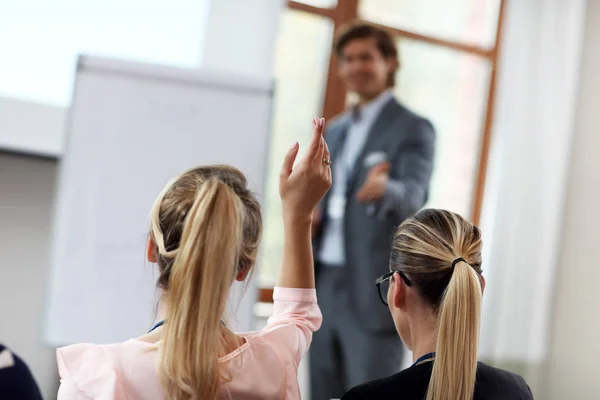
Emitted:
<point x="205" y="231"/>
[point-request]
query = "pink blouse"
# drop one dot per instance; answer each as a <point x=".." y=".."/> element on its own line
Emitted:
<point x="265" y="367"/>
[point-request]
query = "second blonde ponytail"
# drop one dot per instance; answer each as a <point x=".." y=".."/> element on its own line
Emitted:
<point x="455" y="366"/>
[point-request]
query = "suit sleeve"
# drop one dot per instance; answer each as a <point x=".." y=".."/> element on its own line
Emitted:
<point x="407" y="189"/>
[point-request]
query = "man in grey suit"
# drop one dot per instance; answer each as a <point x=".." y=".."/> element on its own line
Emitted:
<point x="382" y="160"/>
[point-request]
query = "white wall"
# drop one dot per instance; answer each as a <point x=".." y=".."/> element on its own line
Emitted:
<point x="241" y="36"/>
<point x="31" y="128"/>
<point x="26" y="188"/>
<point x="40" y="40"/>
<point x="38" y="67"/>
<point x="574" y="367"/>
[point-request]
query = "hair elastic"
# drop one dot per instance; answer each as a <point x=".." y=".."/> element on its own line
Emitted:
<point x="155" y="221"/>
<point x="458" y="260"/>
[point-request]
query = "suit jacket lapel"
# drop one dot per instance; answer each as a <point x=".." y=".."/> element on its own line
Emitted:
<point x="376" y="133"/>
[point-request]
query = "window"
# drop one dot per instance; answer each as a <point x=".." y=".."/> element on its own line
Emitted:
<point x="448" y="53"/>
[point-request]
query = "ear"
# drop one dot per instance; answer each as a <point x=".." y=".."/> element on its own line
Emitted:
<point x="398" y="291"/>
<point x="243" y="273"/>
<point x="482" y="284"/>
<point x="151" y="250"/>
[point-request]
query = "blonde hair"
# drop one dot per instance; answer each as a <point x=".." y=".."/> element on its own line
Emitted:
<point x="425" y="248"/>
<point x="206" y="226"/>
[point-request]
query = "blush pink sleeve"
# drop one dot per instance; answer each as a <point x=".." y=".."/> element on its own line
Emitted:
<point x="85" y="374"/>
<point x="296" y="316"/>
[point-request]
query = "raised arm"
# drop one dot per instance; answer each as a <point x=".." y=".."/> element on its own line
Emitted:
<point x="301" y="188"/>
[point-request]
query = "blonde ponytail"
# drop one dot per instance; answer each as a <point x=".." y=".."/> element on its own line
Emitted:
<point x="455" y="366"/>
<point x="198" y="287"/>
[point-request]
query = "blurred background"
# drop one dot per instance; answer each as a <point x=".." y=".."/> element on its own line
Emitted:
<point x="511" y="87"/>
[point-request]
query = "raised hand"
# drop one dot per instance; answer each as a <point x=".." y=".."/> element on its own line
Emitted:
<point x="302" y="187"/>
<point x="374" y="187"/>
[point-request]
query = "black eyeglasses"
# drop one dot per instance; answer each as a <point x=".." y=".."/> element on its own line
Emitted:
<point x="383" y="284"/>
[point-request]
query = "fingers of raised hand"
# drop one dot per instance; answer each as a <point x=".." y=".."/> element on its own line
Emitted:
<point x="315" y="148"/>
<point x="288" y="161"/>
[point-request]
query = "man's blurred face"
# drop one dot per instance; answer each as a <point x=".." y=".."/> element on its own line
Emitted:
<point x="363" y="68"/>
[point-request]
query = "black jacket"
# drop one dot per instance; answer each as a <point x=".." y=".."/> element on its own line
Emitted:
<point x="411" y="384"/>
<point x="16" y="381"/>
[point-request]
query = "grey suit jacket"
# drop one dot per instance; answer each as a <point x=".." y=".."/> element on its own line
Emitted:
<point x="408" y="142"/>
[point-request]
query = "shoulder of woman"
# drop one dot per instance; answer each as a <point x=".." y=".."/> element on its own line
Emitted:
<point x="73" y="359"/>
<point x="506" y="377"/>
<point x="89" y="368"/>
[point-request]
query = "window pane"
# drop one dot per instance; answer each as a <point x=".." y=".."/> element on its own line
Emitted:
<point x="472" y="21"/>
<point x="449" y="88"/>
<point x="320" y="3"/>
<point x="301" y="63"/>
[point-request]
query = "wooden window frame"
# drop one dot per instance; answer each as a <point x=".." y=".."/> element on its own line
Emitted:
<point x="335" y="94"/>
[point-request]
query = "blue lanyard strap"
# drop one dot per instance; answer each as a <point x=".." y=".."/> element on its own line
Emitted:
<point x="161" y="323"/>
<point x="156" y="325"/>
<point x="422" y="359"/>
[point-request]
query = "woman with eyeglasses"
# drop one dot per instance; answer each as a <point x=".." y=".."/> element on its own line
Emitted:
<point x="434" y="291"/>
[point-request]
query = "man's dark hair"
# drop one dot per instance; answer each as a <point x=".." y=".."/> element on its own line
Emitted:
<point x="362" y="30"/>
